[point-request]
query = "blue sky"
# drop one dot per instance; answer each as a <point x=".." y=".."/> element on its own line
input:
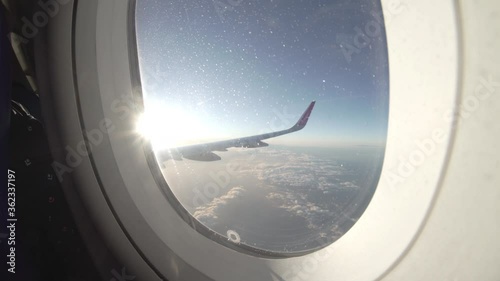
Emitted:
<point x="213" y="70"/>
<point x="255" y="66"/>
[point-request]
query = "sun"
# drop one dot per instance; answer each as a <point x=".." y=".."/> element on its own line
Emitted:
<point x="171" y="126"/>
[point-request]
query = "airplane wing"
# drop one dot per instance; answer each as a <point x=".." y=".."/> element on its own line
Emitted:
<point x="205" y="151"/>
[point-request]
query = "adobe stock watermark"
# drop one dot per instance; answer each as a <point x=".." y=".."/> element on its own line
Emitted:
<point x="122" y="275"/>
<point x="220" y="180"/>
<point x="425" y="148"/>
<point x="74" y="156"/>
<point x="310" y="263"/>
<point x="224" y="6"/>
<point x="282" y="120"/>
<point x="364" y="36"/>
<point x="123" y="107"/>
<point x="31" y="27"/>
<point x="153" y="78"/>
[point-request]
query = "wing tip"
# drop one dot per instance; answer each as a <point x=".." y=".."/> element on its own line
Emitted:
<point x="305" y="117"/>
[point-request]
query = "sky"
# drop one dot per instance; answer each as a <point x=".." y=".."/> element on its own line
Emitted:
<point x="217" y="69"/>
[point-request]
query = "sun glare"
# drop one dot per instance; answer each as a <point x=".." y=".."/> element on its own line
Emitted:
<point x="168" y="127"/>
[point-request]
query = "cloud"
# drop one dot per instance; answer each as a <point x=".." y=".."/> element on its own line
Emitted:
<point x="321" y="191"/>
<point x="299" y="183"/>
<point x="209" y="212"/>
<point x="314" y="214"/>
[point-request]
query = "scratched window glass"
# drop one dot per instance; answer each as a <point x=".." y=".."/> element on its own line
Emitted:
<point x="268" y="119"/>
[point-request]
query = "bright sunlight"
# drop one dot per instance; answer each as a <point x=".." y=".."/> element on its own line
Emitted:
<point x="168" y="127"/>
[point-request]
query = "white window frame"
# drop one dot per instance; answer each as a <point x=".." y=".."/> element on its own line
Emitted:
<point x="95" y="66"/>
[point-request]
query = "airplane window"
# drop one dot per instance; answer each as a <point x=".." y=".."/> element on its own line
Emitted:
<point x="268" y="118"/>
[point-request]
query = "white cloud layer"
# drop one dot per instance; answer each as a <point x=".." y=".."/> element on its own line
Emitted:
<point x="208" y="213"/>
<point x="302" y="184"/>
